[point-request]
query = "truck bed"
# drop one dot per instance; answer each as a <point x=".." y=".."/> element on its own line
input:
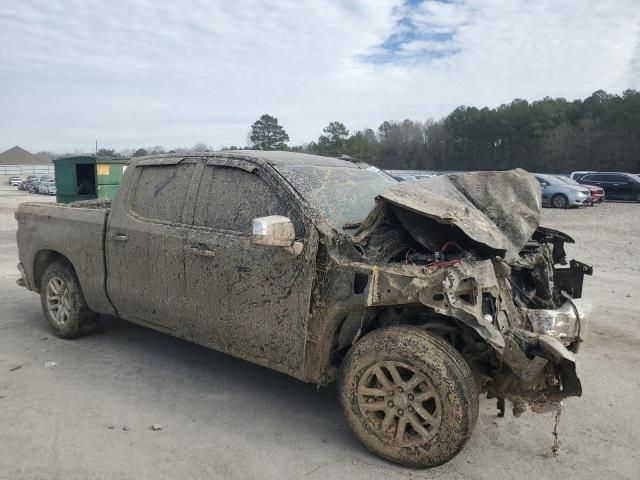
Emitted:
<point x="75" y="231"/>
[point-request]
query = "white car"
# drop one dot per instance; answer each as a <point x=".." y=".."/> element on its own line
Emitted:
<point x="47" y="188"/>
<point x="15" y="181"/>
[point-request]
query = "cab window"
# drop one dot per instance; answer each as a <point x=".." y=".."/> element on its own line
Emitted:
<point x="161" y="191"/>
<point x="230" y="198"/>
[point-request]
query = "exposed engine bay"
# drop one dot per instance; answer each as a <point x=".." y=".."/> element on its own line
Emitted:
<point x="469" y="247"/>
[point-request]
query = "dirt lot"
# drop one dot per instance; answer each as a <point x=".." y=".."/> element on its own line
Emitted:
<point x="90" y="415"/>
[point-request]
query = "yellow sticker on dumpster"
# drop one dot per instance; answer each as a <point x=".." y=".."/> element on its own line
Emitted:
<point x="103" y="169"/>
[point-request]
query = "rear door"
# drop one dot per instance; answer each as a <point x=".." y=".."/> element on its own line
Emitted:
<point x="248" y="300"/>
<point x="145" y="242"/>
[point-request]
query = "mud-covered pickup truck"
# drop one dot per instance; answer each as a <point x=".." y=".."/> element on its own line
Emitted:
<point x="416" y="297"/>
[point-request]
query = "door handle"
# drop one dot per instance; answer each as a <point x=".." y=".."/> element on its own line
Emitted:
<point x="117" y="237"/>
<point x="203" y="252"/>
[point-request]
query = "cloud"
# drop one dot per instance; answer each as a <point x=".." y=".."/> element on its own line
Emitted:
<point x="144" y="72"/>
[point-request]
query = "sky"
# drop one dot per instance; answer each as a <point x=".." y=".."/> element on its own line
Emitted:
<point x="138" y="73"/>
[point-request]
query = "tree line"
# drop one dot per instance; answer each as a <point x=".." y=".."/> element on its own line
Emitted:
<point x="601" y="132"/>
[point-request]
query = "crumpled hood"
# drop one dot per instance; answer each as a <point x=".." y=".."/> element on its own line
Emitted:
<point x="500" y="210"/>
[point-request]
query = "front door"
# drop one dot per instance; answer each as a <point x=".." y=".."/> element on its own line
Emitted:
<point x="145" y="243"/>
<point x="248" y="300"/>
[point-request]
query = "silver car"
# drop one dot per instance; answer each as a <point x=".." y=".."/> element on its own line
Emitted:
<point x="558" y="194"/>
<point x="47" y="187"/>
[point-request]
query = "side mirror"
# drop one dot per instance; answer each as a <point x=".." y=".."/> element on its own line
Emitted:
<point x="274" y="230"/>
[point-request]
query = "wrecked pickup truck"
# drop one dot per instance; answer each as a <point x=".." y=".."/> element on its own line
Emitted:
<point x="416" y="297"/>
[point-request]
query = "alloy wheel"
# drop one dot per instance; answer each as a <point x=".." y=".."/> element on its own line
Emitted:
<point x="399" y="403"/>
<point x="58" y="301"/>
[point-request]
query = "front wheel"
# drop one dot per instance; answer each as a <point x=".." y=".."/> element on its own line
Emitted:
<point x="63" y="303"/>
<point x="560" y="201"/>
<point x="408" y="396"/>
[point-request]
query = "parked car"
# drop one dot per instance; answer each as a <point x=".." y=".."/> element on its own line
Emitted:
<point x="574" y="175"/>
<point x="46" y="187"/>
<point x="403" y="175"/>
<point x="559" y="194"/>
<point x="25" y="183"/>
<point x="32" y="187"/>
<point x="597" y="193"/>
<point x="14" y="181"/>
<point x="402" y="178"/>
<point x="412" y="295"/>
<point x="616" y="185"/>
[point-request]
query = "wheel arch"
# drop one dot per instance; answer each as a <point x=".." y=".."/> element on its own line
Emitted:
<point x="460" y="336"/>
<point x="42" y="260"/>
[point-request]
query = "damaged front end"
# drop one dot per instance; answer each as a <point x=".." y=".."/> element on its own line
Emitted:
<point x="469" y="247"/>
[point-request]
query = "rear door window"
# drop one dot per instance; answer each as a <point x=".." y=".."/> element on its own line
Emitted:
<point x="161" y="191"/>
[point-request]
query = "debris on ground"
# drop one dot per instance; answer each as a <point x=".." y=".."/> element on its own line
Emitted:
<point x="50" y="364"/>
<point x="156" y="426"/>
<point x="555" y="450"/>
<point x="13" y="368"/>
<point x="110" y="427"/>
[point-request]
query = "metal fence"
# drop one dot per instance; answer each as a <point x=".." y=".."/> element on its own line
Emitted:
<point x="26" y="169"/>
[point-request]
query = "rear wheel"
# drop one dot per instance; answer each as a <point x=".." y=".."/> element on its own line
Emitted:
<point x="560" y="200"/>
<point x="63" y="303"/>
<point x="408" y="396"/>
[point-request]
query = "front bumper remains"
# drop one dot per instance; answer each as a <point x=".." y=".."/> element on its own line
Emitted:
<point x="534" y="349"/>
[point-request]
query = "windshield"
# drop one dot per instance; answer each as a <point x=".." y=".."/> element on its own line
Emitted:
<point x="568" y="180"/>
<point x="550" y="179"/>
<point x="345" y="195"/>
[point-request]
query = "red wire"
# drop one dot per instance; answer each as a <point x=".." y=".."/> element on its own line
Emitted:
<point x="451" y="243"/>
<point x="447" y="263"/>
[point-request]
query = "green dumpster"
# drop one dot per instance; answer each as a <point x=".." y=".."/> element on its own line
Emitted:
<point x="87" y="177"/>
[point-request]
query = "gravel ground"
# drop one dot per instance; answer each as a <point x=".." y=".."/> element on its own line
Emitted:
<point x="90" y="415"/>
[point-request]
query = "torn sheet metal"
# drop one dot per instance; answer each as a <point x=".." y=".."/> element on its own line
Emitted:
<point x="456" y="291"/>
<point x="499" y="210"/>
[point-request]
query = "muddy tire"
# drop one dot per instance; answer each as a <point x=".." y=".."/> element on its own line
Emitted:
<point x="63" y="303"/>
<point x="560" y="201"/>
<point x="408" y="396"/>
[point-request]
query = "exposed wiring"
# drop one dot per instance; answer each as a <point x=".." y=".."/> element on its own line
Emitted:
<point x="523" y="293"/>
<point x="451" y="243"/>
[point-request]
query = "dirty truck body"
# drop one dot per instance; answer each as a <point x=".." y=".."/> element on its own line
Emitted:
<point x="415" y="296"/>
